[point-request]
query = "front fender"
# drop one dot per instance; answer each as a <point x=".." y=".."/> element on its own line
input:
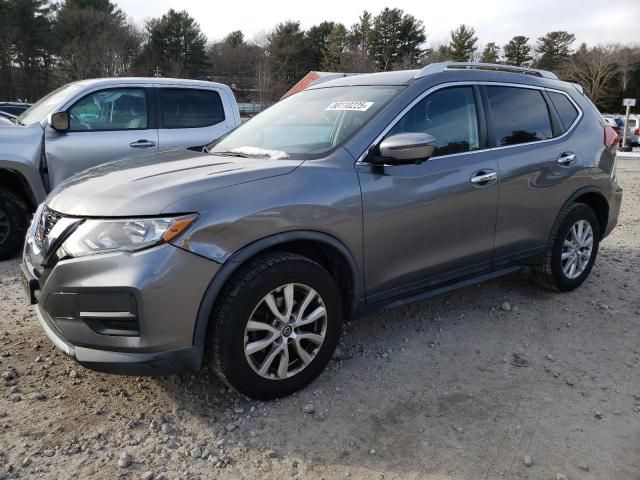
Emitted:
<point x="30" y="176"/>
<point x="241" y="256"/>
<point x="20" y="151"/>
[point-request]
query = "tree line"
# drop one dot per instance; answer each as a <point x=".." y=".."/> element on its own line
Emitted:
<point x="44" y="44"/>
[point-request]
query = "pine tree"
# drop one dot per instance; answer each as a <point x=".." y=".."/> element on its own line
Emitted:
<point x="517" y="51"/>
<point x="463" y="44"/>
<point x="336" y="44"/>
<point x="385" y="40"/>
<point x="105" y="6"/>
<point x="396" y="39"/>
<point x="288" y="54"/>
<point x="359" y="39"/>
<point x="27" y="48"/>
<point x="491" y="53"/>
<point x="177" y="44"/>
<point x="315" y="42"/>
<point x="412" y="37"/>
<point x="554" y="49"/>
<point x="234" y="39"/>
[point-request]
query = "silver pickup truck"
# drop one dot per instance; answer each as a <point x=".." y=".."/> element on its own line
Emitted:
<point x="90" y="122"/>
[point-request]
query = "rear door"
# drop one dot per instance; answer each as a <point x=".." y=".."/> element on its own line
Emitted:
<point x="191" y="117"/>
<point x="537" y="158"/>
<point x="105" y="124"/>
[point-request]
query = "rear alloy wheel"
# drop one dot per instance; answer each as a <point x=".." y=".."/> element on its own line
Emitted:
<point x="571" y="251"/>
<point x="14" y="218"/>
<point x="275" y="325"/>
<point x="577" y="249"/>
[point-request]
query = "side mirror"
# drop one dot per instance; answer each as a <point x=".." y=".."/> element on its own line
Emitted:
<point x="60" y="121"/>
<point x="404" y="148"/>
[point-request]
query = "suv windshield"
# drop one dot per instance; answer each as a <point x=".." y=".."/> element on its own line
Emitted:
<point x="46" y="104"/>
<point x="307" y="124"/>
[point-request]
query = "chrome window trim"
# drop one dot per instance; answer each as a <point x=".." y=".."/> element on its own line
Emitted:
<point x="435" y="88"/>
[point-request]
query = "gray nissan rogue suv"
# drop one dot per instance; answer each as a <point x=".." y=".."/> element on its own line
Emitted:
<point x="358" y="194"/>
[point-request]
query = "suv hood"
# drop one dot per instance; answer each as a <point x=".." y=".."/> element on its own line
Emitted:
<point x="148" y="184"/>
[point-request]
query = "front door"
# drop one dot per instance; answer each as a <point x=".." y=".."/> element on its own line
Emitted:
<point x="429" y="223"/>
<point x="104" y="125"/>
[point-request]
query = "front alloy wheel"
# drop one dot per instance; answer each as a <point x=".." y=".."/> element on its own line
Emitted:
<point x="275" y="325"/>
<point x="285" y="331"/>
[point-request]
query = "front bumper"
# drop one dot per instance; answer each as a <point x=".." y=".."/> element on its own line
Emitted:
<point x="168" y="362"/>
<point x="129" y="313"/>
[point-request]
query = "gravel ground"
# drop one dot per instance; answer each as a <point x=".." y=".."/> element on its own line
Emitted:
<point x="501" y="380"/>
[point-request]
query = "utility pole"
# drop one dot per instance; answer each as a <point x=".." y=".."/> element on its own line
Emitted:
<point x="627" y="102"/>
<point x="156" y="71"/>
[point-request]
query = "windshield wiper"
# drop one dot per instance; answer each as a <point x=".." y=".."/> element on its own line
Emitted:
<point x="253" y="152"/>
<point x="228" y="154"/>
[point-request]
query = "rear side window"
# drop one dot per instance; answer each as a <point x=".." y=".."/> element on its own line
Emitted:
<point x="565" y="109"/>
<point x="188" y="108"/>
<point x="519" y="115"/>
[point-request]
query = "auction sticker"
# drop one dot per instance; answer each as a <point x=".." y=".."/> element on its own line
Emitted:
<point x="350" y="105"/>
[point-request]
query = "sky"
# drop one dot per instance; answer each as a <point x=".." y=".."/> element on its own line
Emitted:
<point x="592" y="21"/>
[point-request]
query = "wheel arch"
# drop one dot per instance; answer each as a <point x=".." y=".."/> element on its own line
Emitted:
<point x="318" y="246"/>
<point x="14" y="181"/>
<point x="594" y="198"/>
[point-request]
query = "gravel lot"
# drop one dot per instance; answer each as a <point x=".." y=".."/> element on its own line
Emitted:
<point x="501" y="380"/>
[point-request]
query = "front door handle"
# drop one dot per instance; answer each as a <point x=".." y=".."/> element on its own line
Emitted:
<point x="142" y="144"/>
<point x="567" y="159"/>
<point x="484" y="177"/>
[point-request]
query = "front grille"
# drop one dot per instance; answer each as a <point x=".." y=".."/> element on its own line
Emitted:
<point x="46" y="222"/>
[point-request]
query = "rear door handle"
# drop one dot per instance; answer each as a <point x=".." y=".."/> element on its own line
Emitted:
<point x="142" y="144"/>
<point x="567" y="159"/>
<point x="484" y="177"/>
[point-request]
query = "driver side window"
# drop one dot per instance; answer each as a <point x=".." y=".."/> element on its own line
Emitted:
<point x="115" y="109"/>
<point x="449" y="115"/>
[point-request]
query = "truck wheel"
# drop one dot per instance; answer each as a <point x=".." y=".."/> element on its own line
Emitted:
<point x="14" y="219"/>
<point x="571" y="251"/>
<point x="276" y="326"/>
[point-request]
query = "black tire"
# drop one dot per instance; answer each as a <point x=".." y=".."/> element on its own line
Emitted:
<point x="550" y="274"/>
<point x="245" y="291"/>
<point x="14" y="221"/>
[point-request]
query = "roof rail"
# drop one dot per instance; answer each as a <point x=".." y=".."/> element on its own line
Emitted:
<point x="494" y="67"/>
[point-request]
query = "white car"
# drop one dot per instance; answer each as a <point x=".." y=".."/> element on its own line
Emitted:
<point x="633" y="131"/>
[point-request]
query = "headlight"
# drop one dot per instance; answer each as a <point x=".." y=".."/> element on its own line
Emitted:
<point x="100" y="236"/>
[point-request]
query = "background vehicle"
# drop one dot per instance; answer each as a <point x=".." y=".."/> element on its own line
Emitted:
<point x="633" y="131"/>
<point x="13" y="108"/>
<point x="613" y="122"/>
<point x="355" y="195"/>
<point x="90" y="122"/>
